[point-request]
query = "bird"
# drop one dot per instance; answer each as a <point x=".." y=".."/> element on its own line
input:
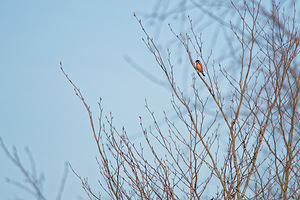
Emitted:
<point x="199" y="67"/>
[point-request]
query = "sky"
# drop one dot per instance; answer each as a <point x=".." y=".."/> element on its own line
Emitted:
<point x="92" y="39"/>
<point x="38" y="106"/>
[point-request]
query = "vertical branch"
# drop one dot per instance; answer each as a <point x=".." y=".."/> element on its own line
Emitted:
<point x="107" y="169"/>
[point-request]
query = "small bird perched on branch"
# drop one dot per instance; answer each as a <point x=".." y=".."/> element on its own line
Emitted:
<point x="199" y="67"/>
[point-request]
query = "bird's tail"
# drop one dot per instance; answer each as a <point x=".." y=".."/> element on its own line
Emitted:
<point x="202" y="73"/>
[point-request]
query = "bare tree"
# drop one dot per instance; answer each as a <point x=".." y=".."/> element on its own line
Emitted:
<point x="33" y="182"/>
<point x="236" y="135"/>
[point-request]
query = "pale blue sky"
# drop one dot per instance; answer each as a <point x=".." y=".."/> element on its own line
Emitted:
<point x="38" y="106"/>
